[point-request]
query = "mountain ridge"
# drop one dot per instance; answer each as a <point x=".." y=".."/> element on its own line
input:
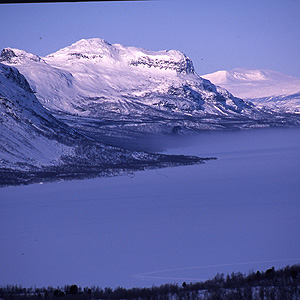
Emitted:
<point x="99" y="49"/>
<point x="265" y="88"/>
<point x="111" y="92"/>
<point x="125" y="81"/>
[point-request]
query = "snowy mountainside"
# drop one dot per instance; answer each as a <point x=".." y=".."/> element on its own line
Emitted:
<point x="265" y="88"/>
<point x="35" y="146"/>
<point x="128" y="80"/>
<point x="28" y="133"/>
<point x="44" y="80"/>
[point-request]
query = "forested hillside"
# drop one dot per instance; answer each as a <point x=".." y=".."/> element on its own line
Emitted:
<point x="283" y="284"/>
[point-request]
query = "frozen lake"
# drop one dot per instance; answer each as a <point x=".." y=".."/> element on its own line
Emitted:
<point x="237" y="213"/>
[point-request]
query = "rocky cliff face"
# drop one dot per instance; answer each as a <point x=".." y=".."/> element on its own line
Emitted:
<point x="183" y="66"/>
<point x="16" y="56"/>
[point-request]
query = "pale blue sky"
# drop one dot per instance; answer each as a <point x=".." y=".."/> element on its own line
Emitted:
<point x="215" y="34"/>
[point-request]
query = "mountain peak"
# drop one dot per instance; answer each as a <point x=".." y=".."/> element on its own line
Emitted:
<point x="242" y="75"/>
<point x="94" y="45"/>
<point x="16" y="56"/>
<point x="247" y="74"/>
<point x="93" y="42"/>
<point x="99" y="51"/>
<point x="14" y="86"/>
<point x="260" y="86"/>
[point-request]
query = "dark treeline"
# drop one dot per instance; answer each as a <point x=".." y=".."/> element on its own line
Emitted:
<point x="281" y="284"/>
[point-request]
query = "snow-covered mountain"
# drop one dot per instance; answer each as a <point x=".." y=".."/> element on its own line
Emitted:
<point x="35" y="146"/>
<point x="92" y="77"/>
<point x="265" y="88"/>
<point x="113" y="93"/>
<point x="153" y="91"/>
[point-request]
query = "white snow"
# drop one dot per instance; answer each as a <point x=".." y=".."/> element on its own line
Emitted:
<point x="266" y="88"/>
<point x="21" y="125"/>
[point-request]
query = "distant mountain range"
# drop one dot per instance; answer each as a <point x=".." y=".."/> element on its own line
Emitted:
<point x="265" y="88"/>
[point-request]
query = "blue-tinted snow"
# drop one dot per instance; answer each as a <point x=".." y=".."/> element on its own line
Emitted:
<point x="237" y="213"/>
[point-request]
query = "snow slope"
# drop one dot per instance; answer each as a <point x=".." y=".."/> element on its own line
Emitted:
<point x="265" y="88"/>
<point x="29" y="134"/>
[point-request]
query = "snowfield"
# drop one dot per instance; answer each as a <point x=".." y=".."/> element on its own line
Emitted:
<point x="265" y="88"/>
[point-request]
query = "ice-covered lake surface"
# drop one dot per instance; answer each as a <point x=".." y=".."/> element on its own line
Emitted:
<point x="238" y="213"/>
